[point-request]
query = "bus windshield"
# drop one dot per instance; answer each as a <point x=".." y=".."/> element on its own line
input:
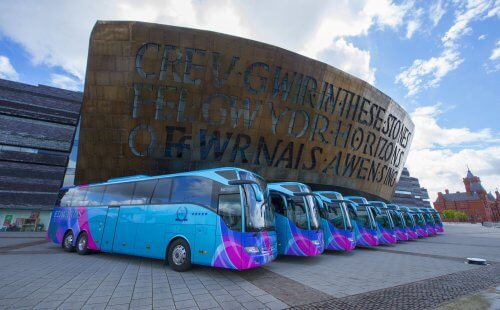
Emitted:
<point x="396" y="218"/>
<point x="296" y="212"/>
<point x="333" y="213"/>
<point x="428" y="218"/>
<point x="384" y="220"/>
<point x="258" y="214"/>
<point x="419" y="219"/>
<point x="409" y="220"/>
<point x="313" y="212"/>
<point x="436" y="218"/>
<point x="363" y="218"/>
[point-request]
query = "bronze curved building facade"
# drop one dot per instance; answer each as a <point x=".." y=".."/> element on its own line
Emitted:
<point x="162" y="99"/>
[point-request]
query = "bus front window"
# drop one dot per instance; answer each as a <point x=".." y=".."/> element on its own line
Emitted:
<point x="258" y="214"/>
<point x="397" y="219"/>
<point x="409" y="220"/>
<point x="436" y="218"/>
<point x="363" y="218"/>
<point x="230" y="210"/>
<point x="296" y="212"/>
<point x="384" y="220"/>
<point x="313" y="212"/>
<point x="428" y="218"/>
<point x="333" y="213"/>
<point x="419" y="219"/>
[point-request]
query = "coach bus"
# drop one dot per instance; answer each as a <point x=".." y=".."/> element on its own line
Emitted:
<point x="365" y="228"/>
<point x="385" y="225"/>
<point x="399" y="222"/>
<point x="218" y="217"/>
<point x="411" y="225"/>
<point x="437" y="219"/>
<point x="297" y="219"/>
<point x="338" y="232"/>
<point x="420" y="225"/>
<point x="429" y="221"/>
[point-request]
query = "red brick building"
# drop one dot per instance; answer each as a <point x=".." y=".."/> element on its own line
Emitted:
<point x="475" y="202"/>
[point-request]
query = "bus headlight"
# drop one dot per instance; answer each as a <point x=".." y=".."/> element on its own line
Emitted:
<point x="252" y="249"/>
<point x="315" y="242"/>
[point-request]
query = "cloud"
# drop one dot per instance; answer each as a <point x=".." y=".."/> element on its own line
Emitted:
<point x="495" y="54"/>
<point x="7" y="71"/>
<point x="414" y="23"/>
<point x="494" y="60"/>
<point x="349" y="58"/>
<point x="436" y="11"/>
<point x="428" y="73"/>
<point x="423" y="74"/>
<point x="481" y="37"/>
<point x="66" y="82"/>
<point x="439" y="155"/>
<point x="438" y="170"/>
<point x="59" y="38"/>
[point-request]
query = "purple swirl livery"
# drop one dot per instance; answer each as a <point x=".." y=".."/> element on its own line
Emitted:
<point x="430" y="230"/>
<point x="301" y="243"/>
<point x="412" y="232"/>
<point x="401" y="234"/>
<point x="421" y="231"/>
<point x="337" y="239"/>
<point x="439" y="228"/>
<point x="386" y="236"/>
<point x="365" y="236"/>
<point x="230" y="253"/>
<point x="75" y="219"/>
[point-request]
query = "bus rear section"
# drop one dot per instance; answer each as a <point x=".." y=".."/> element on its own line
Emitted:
<point x="437" y="220"/>
<point x="385" y="225"/>
<point x="365" y="231"/>
<point x="399" y="222"/>
<point x="297" y="219"/>
<point x="219" y="217"/>
<point x="338" y="231"/>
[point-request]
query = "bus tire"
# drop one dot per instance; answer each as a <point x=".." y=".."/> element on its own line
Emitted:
<point x="179" y="255"/>
<point x="67" y="243"/>
<point x="81" y="244"/>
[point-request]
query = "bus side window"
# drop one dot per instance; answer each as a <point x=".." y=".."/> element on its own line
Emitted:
<point x="162" y="191"/>
<point x="143" y="192"/>
<point x="230" y="210"/>
<point x="118" y="194"/>
<point x="278" y="204"/>
<point x="94" y="195"/>
<point x="79" y="199"/>
<point x="64" y="199"/>
<point x="197" y="190"/>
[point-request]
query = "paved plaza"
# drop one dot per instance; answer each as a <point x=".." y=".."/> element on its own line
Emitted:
<point x="426" y="273"/>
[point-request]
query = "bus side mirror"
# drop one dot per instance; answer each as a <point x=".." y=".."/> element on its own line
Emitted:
<point x="255" y="187"/>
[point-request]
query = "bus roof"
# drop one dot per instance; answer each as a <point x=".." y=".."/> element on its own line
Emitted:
<point x="287" y="188"/>
<point x="210" y="173"/>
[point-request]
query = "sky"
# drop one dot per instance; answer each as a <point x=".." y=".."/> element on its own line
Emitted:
<point x="438" y="59"/>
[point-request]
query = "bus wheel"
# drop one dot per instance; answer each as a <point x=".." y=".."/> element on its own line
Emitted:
<point x="67" y="243"/>
<point x="81" y="244"/>
<point x="179" y="255"/>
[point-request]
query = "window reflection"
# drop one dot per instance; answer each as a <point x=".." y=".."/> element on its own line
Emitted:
<point x="230" y="210"/>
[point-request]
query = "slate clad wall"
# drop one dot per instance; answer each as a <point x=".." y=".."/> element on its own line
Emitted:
<point x="37" y="126"/>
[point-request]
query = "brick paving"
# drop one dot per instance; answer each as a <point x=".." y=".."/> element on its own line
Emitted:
<point x="414" y="275"/>
<point x="426" y="294"/>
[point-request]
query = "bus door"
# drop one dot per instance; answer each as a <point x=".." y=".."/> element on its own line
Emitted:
<point x="108" y="234"/>
<point x="283" y="232"/>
